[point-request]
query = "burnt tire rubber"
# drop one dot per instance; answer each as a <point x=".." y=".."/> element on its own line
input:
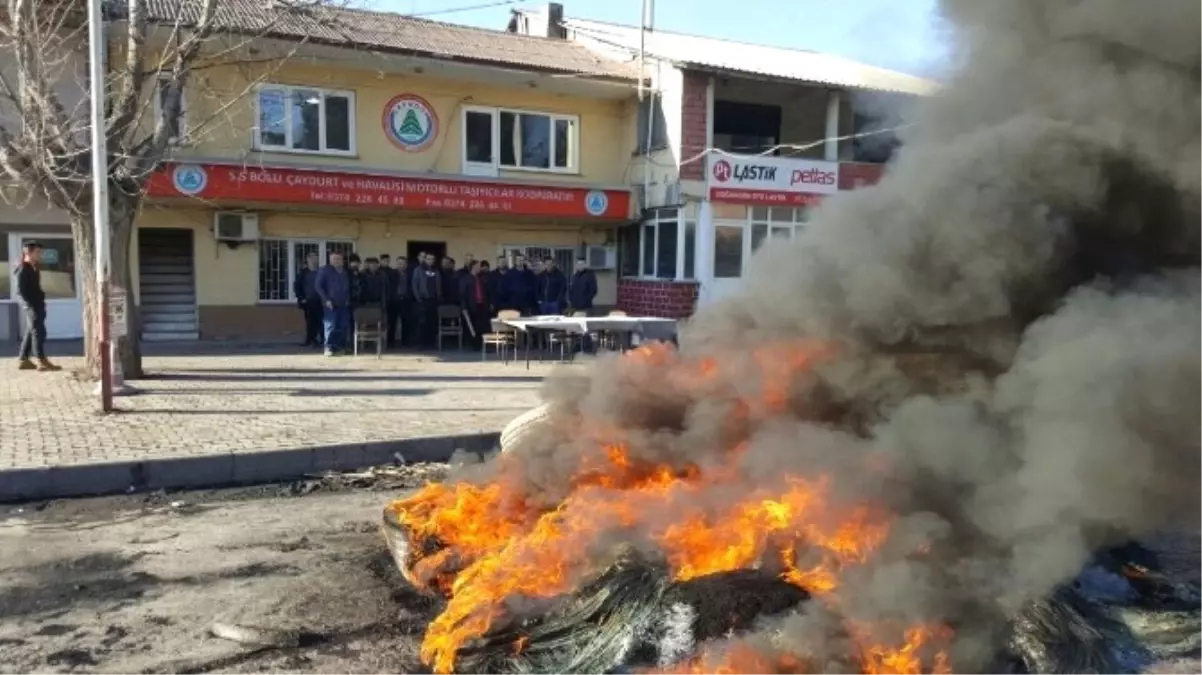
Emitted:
<point x="396" y="540"/>
<point x="524" y="424"/>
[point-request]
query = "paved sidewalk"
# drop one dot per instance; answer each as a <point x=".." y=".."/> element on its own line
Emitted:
<point x="244" y="405"/>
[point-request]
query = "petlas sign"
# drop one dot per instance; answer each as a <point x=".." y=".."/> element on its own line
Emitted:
<point x="770" y="180"/>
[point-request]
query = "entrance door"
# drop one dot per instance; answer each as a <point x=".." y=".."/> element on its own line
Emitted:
<point x="60" y="281"/>
<point x="438" y="248"/>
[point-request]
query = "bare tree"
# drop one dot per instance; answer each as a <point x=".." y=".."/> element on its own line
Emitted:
<point x="45" y="135"/>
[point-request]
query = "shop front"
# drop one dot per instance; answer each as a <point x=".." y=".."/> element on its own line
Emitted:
<point x="751" y="200"/>
<point x="250" y="228"/>
<point x="34" y="221"/>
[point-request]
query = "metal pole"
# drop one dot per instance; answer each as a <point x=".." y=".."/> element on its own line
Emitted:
<point x="100" y="211"/>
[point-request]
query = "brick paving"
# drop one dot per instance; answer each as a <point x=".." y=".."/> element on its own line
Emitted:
<point x="215" y="403"/>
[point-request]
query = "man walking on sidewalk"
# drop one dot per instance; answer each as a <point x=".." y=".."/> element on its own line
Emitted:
<point x="33" y="303"/>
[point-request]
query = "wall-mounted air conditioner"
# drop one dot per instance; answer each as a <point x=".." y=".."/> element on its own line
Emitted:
<point x="235" y="226"/>
<point x="602" y="257"/>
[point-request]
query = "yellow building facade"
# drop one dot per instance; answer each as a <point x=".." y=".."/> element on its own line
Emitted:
<point x="375" y="153"/>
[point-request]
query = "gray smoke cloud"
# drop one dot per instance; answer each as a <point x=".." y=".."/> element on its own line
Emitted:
<point x="1017" y="311"/>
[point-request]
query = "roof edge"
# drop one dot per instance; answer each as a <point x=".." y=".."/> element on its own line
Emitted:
<point x="752" y="75"/>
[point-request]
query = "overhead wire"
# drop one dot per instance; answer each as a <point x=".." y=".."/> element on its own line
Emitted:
<point x="469" y="8"/>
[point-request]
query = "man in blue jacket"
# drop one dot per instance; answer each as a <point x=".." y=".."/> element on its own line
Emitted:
<point x="520" y="287"/>
<point x="334" y="287"/>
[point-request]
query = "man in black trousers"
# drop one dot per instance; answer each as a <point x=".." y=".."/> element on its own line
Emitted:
<point x="33" y="304"/>
<point x="307" y="299"/>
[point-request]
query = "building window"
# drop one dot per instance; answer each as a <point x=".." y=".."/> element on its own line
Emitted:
<point x="747" y="128"/>
<point x="629" y="246"/>
<point x="728" y="252"/>
<point x="515" y="139"/>
<point x="177" y="127"/>
<point x="651" y="119"/>
<point x="736" y="240"/>
<point x="650" y="250"/>
<point x="564" y="256"/>
<point x="305" y="119"/>
<point x="281" y="259"/>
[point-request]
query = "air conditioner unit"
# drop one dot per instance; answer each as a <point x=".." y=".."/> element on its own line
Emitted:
<point x="235" y="226"/>
<point x="602" y="257"/>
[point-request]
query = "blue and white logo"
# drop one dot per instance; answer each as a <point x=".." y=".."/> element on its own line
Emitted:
<point x="596" y="202"/>
<point x="189" y="179"/>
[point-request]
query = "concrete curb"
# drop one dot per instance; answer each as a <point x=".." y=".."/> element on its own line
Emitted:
<point x="226" y="469"/>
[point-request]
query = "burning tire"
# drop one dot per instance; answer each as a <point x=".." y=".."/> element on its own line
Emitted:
<point x="523" y="425"/>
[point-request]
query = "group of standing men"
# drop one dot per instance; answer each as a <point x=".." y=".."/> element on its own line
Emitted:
<point x="409" y="297"/>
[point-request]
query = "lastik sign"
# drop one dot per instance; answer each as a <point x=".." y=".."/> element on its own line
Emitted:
<point x="770" y="180"/>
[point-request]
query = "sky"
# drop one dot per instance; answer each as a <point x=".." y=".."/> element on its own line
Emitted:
<point x="898" y="34"/>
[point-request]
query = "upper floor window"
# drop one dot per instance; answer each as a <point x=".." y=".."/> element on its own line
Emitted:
<point x="305" y="119"/>
<point x="518" y="139"/>
<point x="746" y="128"/>
<point x="652" y="125"/>
<point x="177" y="126"/>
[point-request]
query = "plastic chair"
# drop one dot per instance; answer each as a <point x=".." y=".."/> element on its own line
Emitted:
<point x="450" y="324"/>
<point x="369" y="327"/>
<point x="501" y="337"/>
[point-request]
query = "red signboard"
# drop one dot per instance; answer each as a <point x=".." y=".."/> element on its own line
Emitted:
<point x="768" y="197"/>
<point x="236" y="183"/>
<point x="854" y="175"/>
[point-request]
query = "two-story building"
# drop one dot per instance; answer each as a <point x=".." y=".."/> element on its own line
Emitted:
<point x="377" y="134"/>
<point x="733" y="145"/>
<point x="26" y="216"/>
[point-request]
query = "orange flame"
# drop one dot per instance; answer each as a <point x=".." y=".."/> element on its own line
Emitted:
<point x="492" y="545"/>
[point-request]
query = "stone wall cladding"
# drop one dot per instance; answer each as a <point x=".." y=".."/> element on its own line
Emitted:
<point x="694" y="132"/>
<point x="668" y="299"/>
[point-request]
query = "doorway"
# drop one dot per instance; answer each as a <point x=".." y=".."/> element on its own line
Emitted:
<point x="60" y="282"/>
<point x="412" y="248"/>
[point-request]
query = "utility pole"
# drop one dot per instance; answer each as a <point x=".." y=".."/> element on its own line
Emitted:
<point x="100" y="201"/>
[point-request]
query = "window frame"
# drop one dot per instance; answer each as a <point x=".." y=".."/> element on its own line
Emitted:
<point x="508" y="251"/>
<point x="159" y="78"/>
<point x="653" y="218"/>
<point x="292" y="263"/>
<point x="475" y="168"/>
<point x="798" y="219"/>
<point x="289" y="89"/>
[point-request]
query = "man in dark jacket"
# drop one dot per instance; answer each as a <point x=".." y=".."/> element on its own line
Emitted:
<point x="392" y="310"/>
<point x="496" y="280"/>
<point x="33" y="305"/>
<point x="427" y="294"/>
<point x="582" y="288"/>
<point x="334" y="285"/>
<point x="354" y="269"/>
<point x="305" y="290"/>
<point x="466" y="270"/>
<point x="404" y="296"/>
<point x="520" y="287"/>
<point x="474" y="302"/>
<point x="552" y="288"/>
<point x="375" y="283"/>
<point x="449" y="278"/>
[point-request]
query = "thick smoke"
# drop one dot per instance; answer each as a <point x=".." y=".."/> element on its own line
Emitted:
<point x="1017" y="312"/>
